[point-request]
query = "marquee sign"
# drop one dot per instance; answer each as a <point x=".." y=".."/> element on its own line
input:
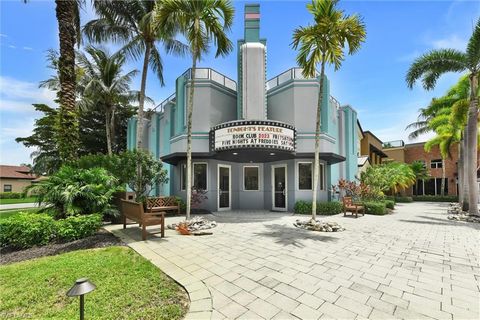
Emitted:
<point x="253" y="134"/>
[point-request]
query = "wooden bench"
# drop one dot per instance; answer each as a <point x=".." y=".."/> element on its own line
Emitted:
<point x="163" y="204"/>
<point x="350" y="206"/>
<point x="134" y="211"/>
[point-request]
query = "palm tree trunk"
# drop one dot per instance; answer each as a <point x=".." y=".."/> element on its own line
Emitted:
<point x="141" y="98"/>
<point x="316" y="164"/>
<point x="466" y="200"/>
<point x="108" y="131"/>
<point x="442" y="185"/>
<point x="472" y="133"/>
<point x="460" y="172"/>
<point x="112" y="126"/>
<point x="68" y="128"/>
<point x="189" y="136"/>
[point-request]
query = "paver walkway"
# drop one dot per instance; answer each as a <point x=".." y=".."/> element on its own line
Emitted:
<point x="413" y="264"/>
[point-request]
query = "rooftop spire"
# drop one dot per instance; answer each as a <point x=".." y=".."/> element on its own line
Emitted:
<point x="252" y="23"/>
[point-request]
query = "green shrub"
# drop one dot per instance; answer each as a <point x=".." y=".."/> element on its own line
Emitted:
<point x="390" y="204"/>
<point x="436" y="198"/>
<point x="78" y="227"/>
<point x="183" y="204"/>
<point x="403" y="199"/>
<point x="375" y="207"/>
<point x="26" y="230"/>
<point x="323" y="208"/>
<point x="390" y="198"/>
<point x="72" y="191"/>
<point x="329" y="208"/>
<point x="302" y="207"/>
<point x="12" y="195"/>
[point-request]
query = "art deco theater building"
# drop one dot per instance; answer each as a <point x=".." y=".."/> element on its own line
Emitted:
<point x="253" y="140"/>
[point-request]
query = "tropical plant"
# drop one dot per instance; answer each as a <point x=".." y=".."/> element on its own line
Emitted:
<point x="389" y="177"/>
<point x="324" y="43"/>
<point x="105" y="86"/>
<point x="130" y="23"/>
<point x="71" y="191"/>
<point x="420" y="170"/>
<point x="201" y="22"/>
<point x="429" y="67"/>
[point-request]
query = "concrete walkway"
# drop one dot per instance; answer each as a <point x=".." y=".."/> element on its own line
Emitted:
<point x="413" y="264"/>
<point x="17" y="206"/>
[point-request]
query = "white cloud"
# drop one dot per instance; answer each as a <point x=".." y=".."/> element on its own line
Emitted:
<point x="452" y="41"/>
<point x="2" y="35"/>
<point x="17" y="95"/>
<point x="27" y="48"/>
<point x="12" y="47"/>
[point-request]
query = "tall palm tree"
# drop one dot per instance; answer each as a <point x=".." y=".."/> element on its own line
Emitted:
<point x="131" y="23"/>
<point x="68" y="17"/>
<point x="201" y="22"/>
<point x="105" y="85"/>
<point x="429" y="68"/>
<point x="324" y="43"/>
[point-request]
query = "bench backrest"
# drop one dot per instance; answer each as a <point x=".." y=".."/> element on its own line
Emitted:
<point x="162" y="202"/>
<point x="347" y="201"/>
<point x="132" y="210"/>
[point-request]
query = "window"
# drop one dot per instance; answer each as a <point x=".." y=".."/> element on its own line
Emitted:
<point x="322" y="176"/>
<point x="436" y="164"/>
<point x="183" y="175"/>
<point x="7" y="188"/>
<point x="200" y="176"/>
<point x="305" y="176"/>
<point x="250" y="178"/>
<point x="430" y="187"/>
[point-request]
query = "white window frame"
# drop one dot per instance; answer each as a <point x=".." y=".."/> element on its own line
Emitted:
<point x="321" y="182"/>
<point x="11" y="187"/>
<point x="436" y="163"/>
<point x="206" y="173"/>
<point x="258" y="171"/>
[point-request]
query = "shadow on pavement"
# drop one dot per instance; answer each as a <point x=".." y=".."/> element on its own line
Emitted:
<point x="290" y="235"/>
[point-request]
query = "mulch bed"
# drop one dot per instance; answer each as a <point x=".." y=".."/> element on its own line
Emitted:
<point x="102" y="239"/>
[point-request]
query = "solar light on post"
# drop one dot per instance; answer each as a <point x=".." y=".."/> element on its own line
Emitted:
<point x="81" y="287"/>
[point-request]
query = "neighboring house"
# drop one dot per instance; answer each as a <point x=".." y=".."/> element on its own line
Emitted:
<point x="408" y="153"/>
<point x="372" y="147"/>
<point x="253" y="143"/>
<point x="15" y="178"/>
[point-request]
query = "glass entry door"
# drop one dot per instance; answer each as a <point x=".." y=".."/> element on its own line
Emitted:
<point x="279" y="187"/>
<point x="224" y="187"/>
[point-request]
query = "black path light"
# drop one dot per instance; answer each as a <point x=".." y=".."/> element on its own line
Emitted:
<point x="81" y="287"/>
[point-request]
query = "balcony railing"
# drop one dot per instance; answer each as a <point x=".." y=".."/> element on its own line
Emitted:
<point x="393" y="144"/>
<point x="161" y="107"/>
<point x="210" y="74"/>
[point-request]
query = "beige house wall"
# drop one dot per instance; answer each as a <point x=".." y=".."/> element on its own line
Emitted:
<point x="396" y="154"/>
<point x="18" y="185"/>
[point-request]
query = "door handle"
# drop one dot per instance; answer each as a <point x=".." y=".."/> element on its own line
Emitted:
<point x="283" y="192"/>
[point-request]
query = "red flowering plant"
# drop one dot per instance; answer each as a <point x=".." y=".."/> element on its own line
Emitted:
<point x="358" y="191"/>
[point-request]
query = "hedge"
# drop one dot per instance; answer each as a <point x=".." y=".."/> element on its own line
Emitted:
<point x="390" y="204"/>
<point x="323" y="208"/>
<point x="403" y="199"/>
<point x="436" y="198"/>
<point x="12" y="195"/>
<point x="375" y="207"/>
<point x="26" y="230"/>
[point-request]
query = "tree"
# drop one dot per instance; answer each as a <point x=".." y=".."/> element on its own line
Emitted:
<point x="201" y="22"/>
<point x="130" y="23"/>
<point x="420" y="171"/>
<point x="324" y="43"/>
<point x="389" y="177"/>
<point x="106" y="86"/>
<point x="67" y="130"/>
<point x="429" y="67"/>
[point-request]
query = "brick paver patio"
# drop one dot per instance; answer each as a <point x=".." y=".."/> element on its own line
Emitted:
<point x="413" y="264"/>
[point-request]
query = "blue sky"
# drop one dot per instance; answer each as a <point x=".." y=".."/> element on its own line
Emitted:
<point x="372" y="81"/>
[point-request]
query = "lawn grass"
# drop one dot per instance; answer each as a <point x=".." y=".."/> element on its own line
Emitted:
<point x="21" y="200"/>
<point x="8" y="213"/>
<point x="128" y="287"/>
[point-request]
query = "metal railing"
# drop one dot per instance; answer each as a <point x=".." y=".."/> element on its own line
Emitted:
<point x="393" y="144"/>
<point x="210" y="74"/>
<point x="161" y="106"/>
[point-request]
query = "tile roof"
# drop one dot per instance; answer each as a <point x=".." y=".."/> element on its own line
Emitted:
<point x="16" y="172"/>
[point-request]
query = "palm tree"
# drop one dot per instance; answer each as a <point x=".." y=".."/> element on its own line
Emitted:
<point x="68" y="17"/>
<point x="324" y="43"/>
<point x="105" y="85"/>
<point x="201" y="22"/>
<point x="130" y="22"/>
<point x="429" y="68"/>
<point x="420" y="171"/>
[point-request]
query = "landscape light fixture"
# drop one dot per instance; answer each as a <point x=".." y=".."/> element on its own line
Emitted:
<point x="81" y="287"/>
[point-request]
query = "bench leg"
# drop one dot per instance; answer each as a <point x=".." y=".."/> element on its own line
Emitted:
<point x="124" y="222"/>
<point x="344" y="212"/>
<point x="356" y="213"/>
<point x="144" y="232"/>
<point x="163" y="226"/>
